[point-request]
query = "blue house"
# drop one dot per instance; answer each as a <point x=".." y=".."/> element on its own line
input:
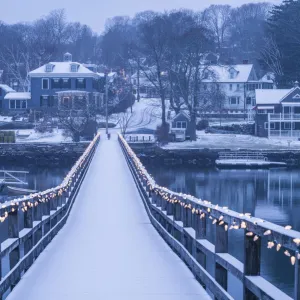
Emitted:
<point x="58" y="85"/>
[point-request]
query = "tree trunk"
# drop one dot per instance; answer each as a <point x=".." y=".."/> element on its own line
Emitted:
<point x="193" y="134"/>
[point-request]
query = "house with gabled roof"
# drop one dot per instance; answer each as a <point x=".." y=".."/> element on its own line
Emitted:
<point x="238" y="82"/>
<point x="50" y="81"/>
<point x="278" y="113"/>
<point x="58" y="85"/>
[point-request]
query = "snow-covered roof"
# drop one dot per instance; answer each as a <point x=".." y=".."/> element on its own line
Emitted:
<point x="270" y="96"/>
<point x="17" y="96"/>
<point x="6" y="88"/>
<point x="79" y="92"/>
<point x="222" y="73"/>
<point x="268" y="77"/>
<point x="63" y="69"/>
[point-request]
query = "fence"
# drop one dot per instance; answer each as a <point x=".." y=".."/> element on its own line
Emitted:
<point x="241" y="155"/>
<point x="30" y="223"/>
<point x="7" y="137"/>
<point x="182" y="221"/>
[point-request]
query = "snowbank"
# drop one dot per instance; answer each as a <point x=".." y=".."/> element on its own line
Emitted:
<point x="30" y="136"/>
<point x="234" y="142"/>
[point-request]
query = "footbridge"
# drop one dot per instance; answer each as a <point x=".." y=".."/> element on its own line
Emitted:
<point x="110" y="232"/>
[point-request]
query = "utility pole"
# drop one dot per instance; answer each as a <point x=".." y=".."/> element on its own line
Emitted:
<point x="106" y="100"/>
<point x="131" y="89"/>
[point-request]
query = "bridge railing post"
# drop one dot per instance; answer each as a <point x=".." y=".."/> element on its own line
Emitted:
<point x="221" y="246"/>
<point x="252" y="259"/>
<point x="297" y="278"/>
<point x="13" y="232"/>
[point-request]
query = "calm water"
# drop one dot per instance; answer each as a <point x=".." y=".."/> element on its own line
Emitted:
<point x="273" y="195"/>
<point x="38" y="178"/>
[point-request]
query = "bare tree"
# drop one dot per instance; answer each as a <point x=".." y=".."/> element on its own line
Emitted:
<point x="75" y="115"/>
<point x="271" y="56"/>
<point x="17" y="62"/>
<point x="153" y="36"/>
<point x="125" y="120"/>
<point x="218" y="19"/>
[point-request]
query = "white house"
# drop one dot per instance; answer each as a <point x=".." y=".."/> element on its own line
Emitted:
<point x="238" y="82"/>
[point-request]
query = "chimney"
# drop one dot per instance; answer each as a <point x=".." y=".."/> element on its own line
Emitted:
<point x="296" y="84"/>
<point x="245" y="62"/>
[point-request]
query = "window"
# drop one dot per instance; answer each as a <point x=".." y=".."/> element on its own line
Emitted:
<point x="18" y="104"/>
<point x="272" y="125"/>
<point x="205" y="75"/>
<point x="248" y="100"/>
<point x="23" y="104"/>
<point x="12" y="104"/>
<point x="67" y="102"/>
<point x="232" y="73"/>
<point x="181" y="124"/>
<point x="45" y="83"/>
<point x="238" y="87"/>
<point x="49" y="68"/>
<point x="0" y="92"/>
<point x="288" y="125"/>
<point x="266" y="111"/>
<point x="55" y="84"/>
<point x="234" y="100"/>
<point x="80" y="83"/>
<point x="66" y="83"/>
<point x="74" y="68"/>
<point x="268" y="77"/>
<point x="230" y="87"/>
<point x="44" y="101"/>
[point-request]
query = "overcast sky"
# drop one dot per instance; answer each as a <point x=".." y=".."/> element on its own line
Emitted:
<point x="95" y="12"/>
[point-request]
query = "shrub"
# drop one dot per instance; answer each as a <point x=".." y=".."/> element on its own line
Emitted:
<point x="202" y="124"/>
<point x="162" y="133"/>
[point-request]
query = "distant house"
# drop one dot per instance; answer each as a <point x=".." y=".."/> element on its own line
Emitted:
<point x="278" y="113"/>
<point x="180" y="126"/>
<point x="4" y="90"/>
<point x="238" y="82"/>
<point x="56" y="85"/>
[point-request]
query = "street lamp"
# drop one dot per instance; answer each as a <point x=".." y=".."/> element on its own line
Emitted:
<point x="106" y="99"/>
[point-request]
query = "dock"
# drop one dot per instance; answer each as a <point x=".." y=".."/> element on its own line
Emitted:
<point x="246" y="159"/>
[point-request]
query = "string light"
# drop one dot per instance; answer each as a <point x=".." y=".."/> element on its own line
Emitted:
<point x="167" y="195"/>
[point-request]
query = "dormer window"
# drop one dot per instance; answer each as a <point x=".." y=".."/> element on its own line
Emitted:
<point x="49" y="68"/>
<point x="232" y="74"/>
<point x="74" y="68"/>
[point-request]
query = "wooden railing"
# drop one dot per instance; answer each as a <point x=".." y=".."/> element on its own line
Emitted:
<point x="182" y="221"/>
<point x="30" y="223"/>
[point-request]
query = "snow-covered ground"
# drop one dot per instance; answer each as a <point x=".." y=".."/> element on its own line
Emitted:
<point x="234" y="142"/>
<point x="146" y="114"/>
<point x="5" y="119"/>
<point x="34" y="137"/>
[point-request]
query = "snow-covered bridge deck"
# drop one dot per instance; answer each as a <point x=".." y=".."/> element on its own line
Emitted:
<point x="108" y="248"/>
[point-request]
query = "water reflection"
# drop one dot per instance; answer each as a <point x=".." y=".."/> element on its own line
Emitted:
<point x="273" y="195"/>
